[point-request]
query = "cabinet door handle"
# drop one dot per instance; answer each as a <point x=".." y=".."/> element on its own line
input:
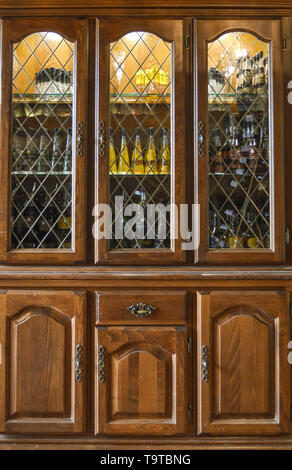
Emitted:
<point x="141" y="310"/>
<point x="78" y="363"/>
<point x="201" y="139"/>
<point x="101" y="363"/>
<point x="79" y="139"/>
<point x="204" y="363"/>
<point x="101" y="139"/>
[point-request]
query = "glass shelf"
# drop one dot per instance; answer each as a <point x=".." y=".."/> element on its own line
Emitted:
<point x="140" y="98"/>
<point x="47" y="98"/>
<point x="41" y="173"/>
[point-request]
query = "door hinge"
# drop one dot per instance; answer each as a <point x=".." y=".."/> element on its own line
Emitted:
<point x="187" y="41"/>
<point x="190" y="345"/>
<point x="287" y="236"/>
<point x="290" y="311"/>
<point x="189" y="412"/>
<point x="284" y="43"/>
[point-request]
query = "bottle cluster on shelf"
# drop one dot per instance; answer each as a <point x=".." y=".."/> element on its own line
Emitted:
<point x="153" y="159"/>
<point x="154" y="80"/>
<point x="231" y="230"/>
<point x="41" y="217"/>
<point x="243" y="145"/>
<point x="251" y="77"/>
<point x="161" y="226"/>
<point x="40" y="150"/>
<point x="54" y="81"/>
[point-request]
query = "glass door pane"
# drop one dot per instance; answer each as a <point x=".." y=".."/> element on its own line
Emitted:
<point x="239" y="123"/>
<point x="41" y="142"/>
<point x="141" y="140"/>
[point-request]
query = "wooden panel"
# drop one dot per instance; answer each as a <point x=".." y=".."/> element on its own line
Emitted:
<point x="144" y="391"/>
<point x="42" y="332"/>
<point x="111" y="307"/>
<point x="247" y="389"/>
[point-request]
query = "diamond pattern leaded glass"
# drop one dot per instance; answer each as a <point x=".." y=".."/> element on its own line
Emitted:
<point x="140" y="137"/>
<point x="239" y="142"/>
<point x="41" y="153"/>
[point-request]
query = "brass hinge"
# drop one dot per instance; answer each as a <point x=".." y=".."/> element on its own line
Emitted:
<point x="284" y="43"/>
<point x="287" y="236"/>
<point x="189" y="412"/>
<point x="290" y="311"/>
<point x="187" y="41"/>
<point x="190" y="345"/>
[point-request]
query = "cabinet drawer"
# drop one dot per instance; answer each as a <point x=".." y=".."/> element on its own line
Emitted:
<point x="147" y="307"/>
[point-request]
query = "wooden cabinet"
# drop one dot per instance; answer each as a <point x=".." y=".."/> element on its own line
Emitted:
<point x="43" y="362"/>
<point x="243" y="371"/>
<point x="43" y="140"/>
<point x="140" y="380"/>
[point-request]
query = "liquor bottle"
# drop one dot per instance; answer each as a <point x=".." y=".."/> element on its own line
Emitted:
<point x="57" y="149"/>
<point x="30" y="215"/>
<point x="18" y="146"/>
<point x="137" y="157"/>
<point x="65" y="222"/>
<point x="51" y="217"/>
<point x="151" y="163"/>
<point x="234" y="239"/>
<point x="164" y="152"/>
<point x="124" y="166"/>
<point x="31" y="150"/>
<point x="219" y="166"/>
<point x="251" y="241"/>
<point x="68" y="151"/>
<point x="214" y="235"/>
<point x="43" y="160"/>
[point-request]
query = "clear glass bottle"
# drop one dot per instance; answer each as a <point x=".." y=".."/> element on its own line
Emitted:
<point x="68" y="151"/>
<point x="151" y="162"/>
<point x="44" y="149"/>
<point x="164" y="152"/>
<point x="57" y="149"/>
<point x="124" y="166"/>
<point x="137" y="157"/>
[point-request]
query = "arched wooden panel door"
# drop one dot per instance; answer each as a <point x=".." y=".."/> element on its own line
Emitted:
<point x="44" y="361"/>
<point x="140" y="380"/>
<point x="243" y="371"/>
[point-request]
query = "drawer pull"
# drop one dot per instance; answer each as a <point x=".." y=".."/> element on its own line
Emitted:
<point x="78" y="363"/>
<point x="141" y="310"/>
<point x="101" y="363"/>
<point x="204" y="363"/>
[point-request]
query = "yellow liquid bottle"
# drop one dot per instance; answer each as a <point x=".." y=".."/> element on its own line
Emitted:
<point x="164" y="153"/>
<point x="112" y="155"/>
<point x="137" y="157"/>
<point x="124" y="166"/>
<point x="151" y="156"/>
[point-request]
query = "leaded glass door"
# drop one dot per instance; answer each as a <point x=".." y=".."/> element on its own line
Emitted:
<point x="44" y="139"/>
<point x="239" y="141"/>
<point x="140" y="146"/>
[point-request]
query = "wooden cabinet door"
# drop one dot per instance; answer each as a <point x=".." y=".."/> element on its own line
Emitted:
<point x="129" y="106"/>
<point x="243" y="372"/>
<point x="43" y="140"/>
<point x="43" y="362"/>
<point x="141" y="380"/>
<point x="239" y="135"/>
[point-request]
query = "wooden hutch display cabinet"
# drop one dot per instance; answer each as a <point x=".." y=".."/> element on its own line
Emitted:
<point x="155" y="334"/>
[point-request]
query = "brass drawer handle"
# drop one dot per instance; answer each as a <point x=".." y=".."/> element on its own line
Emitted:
<point x="141" y="310"/>
<point x="101" y="139"/>
<point x="204" y="363"/>
<point x="79" y="139"/>
<point x="201" y="139"/>
<point x="101" y="364"/>
<point x="78" y="363"/>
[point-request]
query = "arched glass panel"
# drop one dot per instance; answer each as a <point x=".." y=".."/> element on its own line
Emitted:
<point x="41" y="142"/>
<point x="141" y="139"/>
<point x="239" y="123"/>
